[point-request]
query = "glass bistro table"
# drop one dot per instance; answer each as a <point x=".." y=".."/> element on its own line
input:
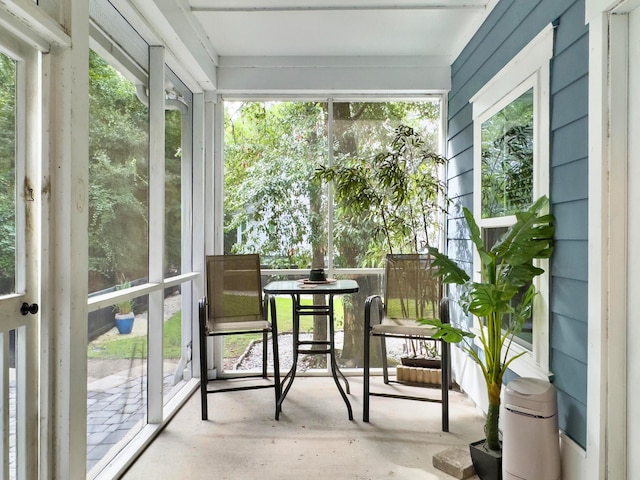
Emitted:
<point x="297" y="288"/>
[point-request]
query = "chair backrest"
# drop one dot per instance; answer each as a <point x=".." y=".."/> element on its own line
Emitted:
<point x="234" y="288"/>
<point x="411" y="288"/>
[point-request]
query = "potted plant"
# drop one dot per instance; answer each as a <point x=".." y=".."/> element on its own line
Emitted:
<point x="507" y="270"/>
<point x="124" y="311"/>
<point x="400" y="196"/>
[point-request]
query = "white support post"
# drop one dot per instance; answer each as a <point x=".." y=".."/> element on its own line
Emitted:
<point x="217" y="218"/>
<point x="209" y="170"/>
<point x="599" y="209"/>
<point x="29" y="340"/>
<point x="65" y="257"/>
<point x="156" y="234"/>
<point x="198" y="226"/>
<point x="218" y="179"/>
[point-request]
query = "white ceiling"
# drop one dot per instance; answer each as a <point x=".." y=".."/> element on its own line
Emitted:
<point x="338" y="27"/>
<point x="219" y="42"/>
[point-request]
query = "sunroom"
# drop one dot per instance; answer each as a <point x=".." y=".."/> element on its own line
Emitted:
<point x="143" y="135"/>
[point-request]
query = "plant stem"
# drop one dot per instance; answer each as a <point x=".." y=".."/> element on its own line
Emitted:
<point x="491" y="427"/>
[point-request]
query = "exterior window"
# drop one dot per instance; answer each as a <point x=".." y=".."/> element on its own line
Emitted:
<point x="511" y="171"/>
<point x="507" y="158"/>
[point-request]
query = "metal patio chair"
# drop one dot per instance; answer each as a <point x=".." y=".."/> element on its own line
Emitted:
<point x="411" y="292"/>
<point x="234" y="306"/>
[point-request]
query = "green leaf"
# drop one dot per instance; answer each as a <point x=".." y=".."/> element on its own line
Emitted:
<point x="487" y="298"/>
<point x="476" y="237"/>
<point x="446" y="331"/>
<point x="447" y="268"/>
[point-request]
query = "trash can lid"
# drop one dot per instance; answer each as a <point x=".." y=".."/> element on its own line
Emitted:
<point x="531" y="395"/>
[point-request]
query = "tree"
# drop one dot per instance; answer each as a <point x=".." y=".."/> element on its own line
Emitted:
<point x="398" y="193"/>
<point x="271" y="151"/>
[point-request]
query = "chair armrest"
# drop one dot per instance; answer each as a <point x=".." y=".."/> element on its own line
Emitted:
<point x="202" y="315"/>
<point x="370" y="302"/>
<point x="265" y="307"/>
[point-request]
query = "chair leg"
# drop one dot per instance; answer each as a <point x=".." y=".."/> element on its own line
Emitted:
<point x="264" y="354"/>
<point x="365" y="379"/>
<point x="276" y="357"/>
<point x="203" y="360"/>
<point x="385" y="363"/>
<point x="445" y="380"/>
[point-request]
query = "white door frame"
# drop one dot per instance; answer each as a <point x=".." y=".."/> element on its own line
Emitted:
<point x="631" y="330"/>
<point x="609" y="238"/>
<point x="27" y="279"/>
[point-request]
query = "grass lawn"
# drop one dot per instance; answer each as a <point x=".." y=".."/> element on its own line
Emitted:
<point x="235" y="345"/>
<point x="131" y="346"/>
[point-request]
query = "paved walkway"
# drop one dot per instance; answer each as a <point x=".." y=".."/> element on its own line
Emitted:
<point x="117" y="392"/>
<point x="116" y="408"/>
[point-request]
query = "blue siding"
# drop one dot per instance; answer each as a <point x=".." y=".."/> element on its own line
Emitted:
<point x="511" y="25"/>
<point x="569" y="182"/>
<point x="570" y="261"/>
<point x="563" y="147"/>
<point x="567" y="301"/>
<point x="570" y="338"/>
<point x="573" y="226"/>
<point x="570" y="103"/>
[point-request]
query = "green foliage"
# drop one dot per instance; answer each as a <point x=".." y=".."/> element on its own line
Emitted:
<point x="271" y="197"/>
<point x="397" y="192"/>
<point x="118" y="172"/>
<point x="173" y="190"/>
<point x="125" y="306"/>
<point x="7" y="168"/>
<point x="506" y="268"/>
<point x="507" y="158"/>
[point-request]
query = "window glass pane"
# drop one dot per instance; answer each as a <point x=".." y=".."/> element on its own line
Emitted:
<point x="172" y="349"/>
<point x="13" y="395"/>
<point x="525" y="336"/>
<point x="507" y="159"/>
<point x="273" y="205"/>
<point x="173" y="192"/>
<point x="172" y="343"/>
<point x="7" y="175"/>
<point x="118" y="179"/>
<point x="116" y="378"/>
<point x="367" y="222"/>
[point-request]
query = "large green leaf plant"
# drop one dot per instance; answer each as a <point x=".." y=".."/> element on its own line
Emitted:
<point x="506" y="269"/>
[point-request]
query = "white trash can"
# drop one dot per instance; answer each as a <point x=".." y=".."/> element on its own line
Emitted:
<point x="530" y="440"/>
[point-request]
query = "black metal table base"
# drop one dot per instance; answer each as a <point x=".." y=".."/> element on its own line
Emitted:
<point x="299" y="348"/>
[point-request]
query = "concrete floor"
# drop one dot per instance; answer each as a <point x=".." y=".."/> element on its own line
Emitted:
<point x="313" y="439"/>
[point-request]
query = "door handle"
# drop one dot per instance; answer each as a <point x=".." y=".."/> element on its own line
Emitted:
<point x="26" y="308"/>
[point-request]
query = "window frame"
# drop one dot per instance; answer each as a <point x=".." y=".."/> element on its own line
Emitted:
<point x="529" y="69"/>
<point x="332" y="270"/>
